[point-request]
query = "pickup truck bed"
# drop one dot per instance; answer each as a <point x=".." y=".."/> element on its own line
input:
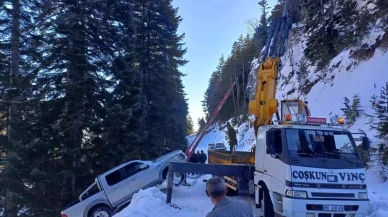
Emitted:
<point x="226" y="157"/>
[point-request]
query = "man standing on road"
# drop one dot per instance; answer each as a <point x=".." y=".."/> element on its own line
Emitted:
<point x="232" y="137"/>
<point x="223" y="206"/>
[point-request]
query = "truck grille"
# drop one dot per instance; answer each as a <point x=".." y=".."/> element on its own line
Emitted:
<point x="316" y="207"/>
<point x="320" y="194"/>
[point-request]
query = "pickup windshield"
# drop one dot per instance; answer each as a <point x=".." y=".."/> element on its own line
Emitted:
<point x="321" y="143"/>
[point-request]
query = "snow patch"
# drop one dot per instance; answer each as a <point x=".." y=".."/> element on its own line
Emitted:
<point x="188" y="201"/>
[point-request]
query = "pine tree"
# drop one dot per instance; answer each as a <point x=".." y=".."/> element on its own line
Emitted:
<point x="201" y="124"/>
<point x="160" y="53"/>
<point x="347" y="111"/>
<point x="347" y="17"/>
<point x="123" y="128"/>
<point x="18" y="65"/>
<point x="190" y="125"/>
<point x="235" y="68"/>
<point x="381" y="124"/>
<point x="302" y="73"/>
<point x="352" y="109"/>
<point x="320" y="47"/>
<point x="382" y="5"/>
<point x="85" y="83"/>
<point x="277" y="11"/>
<point x="261" y="34"/>
<point x="356" y="107"/>
<point x="215" y="90"/>
<point x="372" y="117"/>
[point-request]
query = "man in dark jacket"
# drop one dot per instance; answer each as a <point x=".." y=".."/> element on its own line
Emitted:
<point x="232" y="137"/>
<point x="194" y="158"/>
<point x="223" y="206"/>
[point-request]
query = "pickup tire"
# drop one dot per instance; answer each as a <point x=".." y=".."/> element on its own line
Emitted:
<point x="100" y="211"/>
<point x="175" y="182"/>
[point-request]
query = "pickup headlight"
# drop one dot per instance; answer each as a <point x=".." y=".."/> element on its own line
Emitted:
<point x="298" y="194"/>
<point x="363" y="195"/>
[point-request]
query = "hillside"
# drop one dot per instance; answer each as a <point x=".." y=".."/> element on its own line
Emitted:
<point x="357" y="70"/>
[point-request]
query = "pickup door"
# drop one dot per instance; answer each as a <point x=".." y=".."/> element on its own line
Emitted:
<point x="142" y="175"/>
<point x="117" y="187"/>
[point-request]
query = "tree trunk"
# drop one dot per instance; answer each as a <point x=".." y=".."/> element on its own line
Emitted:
<point x="15" y="59"/>
<point x="234" y="101"/>
<point x="75" y="97"/>
<point x="244" y="88"/>
<point x="238" y="90"/>
<point x="12" y="113"/>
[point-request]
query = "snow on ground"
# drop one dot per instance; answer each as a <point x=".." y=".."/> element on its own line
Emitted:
<point x="191" y="200"/>
<point x="188" y="201"/>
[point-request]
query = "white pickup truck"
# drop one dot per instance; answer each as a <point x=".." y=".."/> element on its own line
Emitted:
<point x="114" y="189"/>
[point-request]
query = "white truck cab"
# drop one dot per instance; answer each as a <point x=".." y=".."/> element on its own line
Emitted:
<point x="309" y="170"/>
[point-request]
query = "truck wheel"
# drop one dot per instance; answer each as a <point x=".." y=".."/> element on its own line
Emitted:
<point x="101" y="212"/>
<point x="268" y="207"/>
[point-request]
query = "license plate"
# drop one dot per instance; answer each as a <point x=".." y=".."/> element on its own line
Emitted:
<point x="333" y="208"/>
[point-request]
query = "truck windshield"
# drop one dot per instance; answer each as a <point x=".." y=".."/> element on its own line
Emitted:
<point x="321" y="143"/>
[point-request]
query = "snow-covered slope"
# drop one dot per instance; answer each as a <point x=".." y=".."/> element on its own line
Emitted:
<point x="344" y="77"/>
<point x="187" y="201"/>
<point x="218" y="133"/>
<point x="192" y="201"/>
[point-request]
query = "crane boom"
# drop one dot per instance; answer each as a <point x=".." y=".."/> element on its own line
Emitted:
<point x="265" y="104"/>
<point x="191" y="149"/>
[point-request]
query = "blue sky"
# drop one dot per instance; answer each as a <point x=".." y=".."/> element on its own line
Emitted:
<point x="211" y="27"/>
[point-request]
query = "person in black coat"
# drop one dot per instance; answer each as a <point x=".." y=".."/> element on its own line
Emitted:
<point x="194" y="158"/>
<point x="203" y="157"/>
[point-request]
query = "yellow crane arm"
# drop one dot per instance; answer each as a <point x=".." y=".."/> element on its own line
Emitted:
<point x="265" y="104"/>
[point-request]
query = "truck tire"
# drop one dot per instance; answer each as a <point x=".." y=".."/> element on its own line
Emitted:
<point x="267" y="205"/>
<point x="101" y="211"/>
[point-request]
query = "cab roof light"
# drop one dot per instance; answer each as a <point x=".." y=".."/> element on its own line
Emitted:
<point x="288" y="117"/>
<point x="341" y="121"/>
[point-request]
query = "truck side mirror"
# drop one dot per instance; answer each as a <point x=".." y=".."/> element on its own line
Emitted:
<point x="365" y="143"/>
<point x="270" y="150"/>
<point x="270" y="139"/>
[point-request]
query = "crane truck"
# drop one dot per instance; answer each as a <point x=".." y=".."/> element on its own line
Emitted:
<point x="303" y="166"/>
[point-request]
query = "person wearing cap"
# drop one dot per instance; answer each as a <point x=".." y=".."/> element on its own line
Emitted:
<point x="224" y="206"/>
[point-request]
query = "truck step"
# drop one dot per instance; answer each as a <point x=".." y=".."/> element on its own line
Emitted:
<point x="230" y="179"/>
<point x="231" y="186"/>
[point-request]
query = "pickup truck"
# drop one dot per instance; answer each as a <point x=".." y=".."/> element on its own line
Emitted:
<point x="113" y="190"/>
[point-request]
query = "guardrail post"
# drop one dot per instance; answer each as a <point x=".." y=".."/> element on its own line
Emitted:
<point x="169" y="183"/>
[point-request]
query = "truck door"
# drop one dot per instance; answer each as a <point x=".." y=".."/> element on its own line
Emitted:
<point x="141" y="175"/>
<point x="117" y="188"/>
